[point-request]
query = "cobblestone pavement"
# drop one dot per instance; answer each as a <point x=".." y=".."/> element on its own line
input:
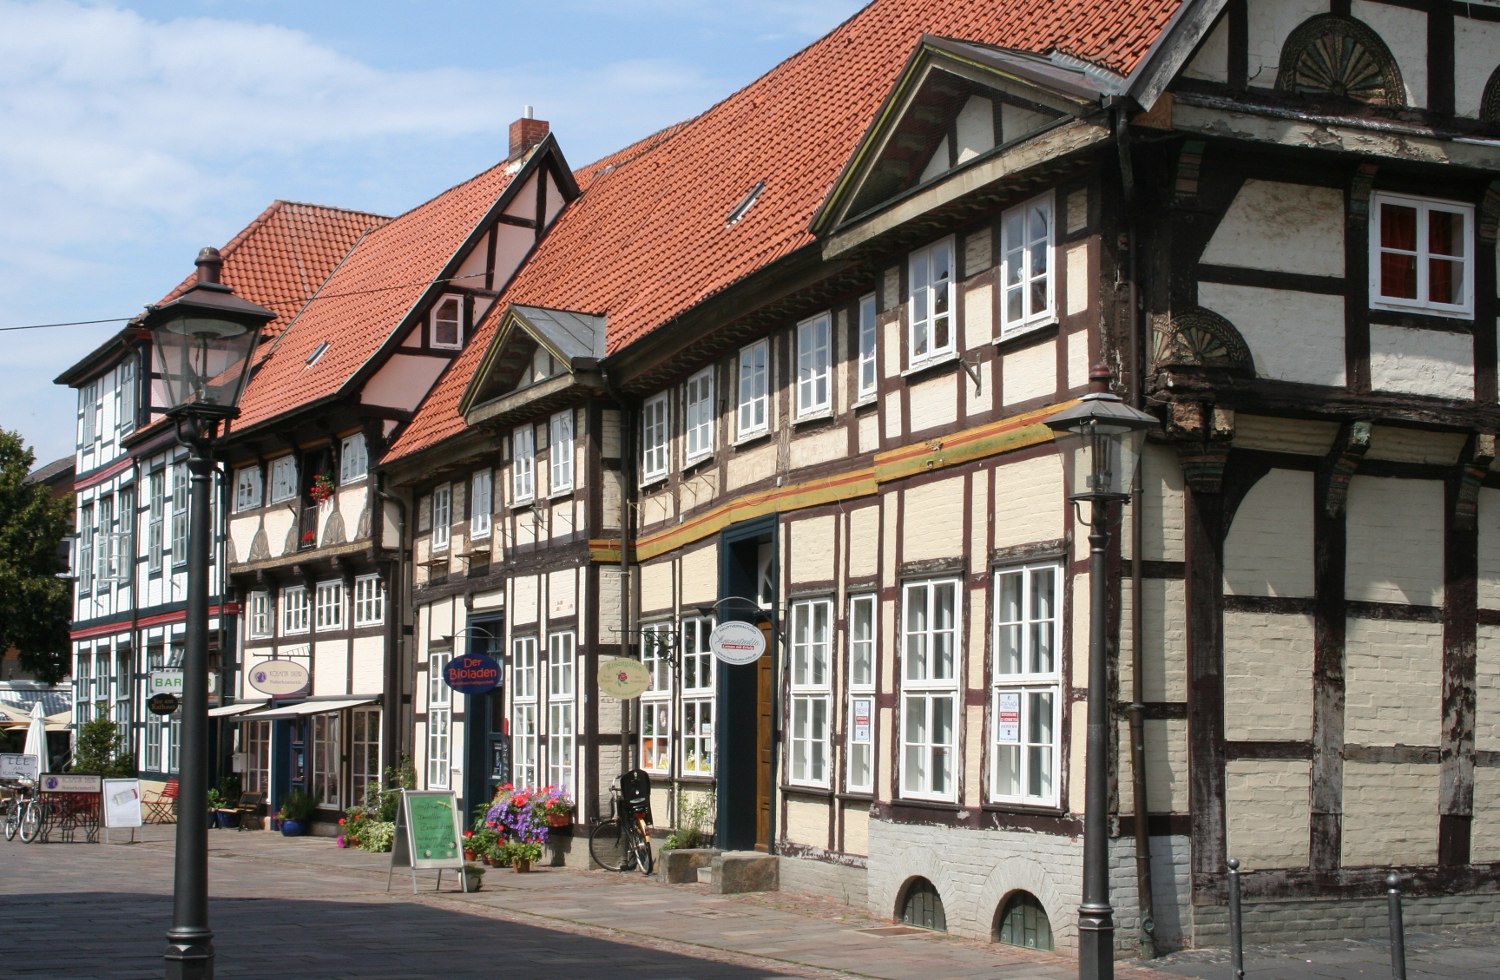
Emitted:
<point x="300" y="907"/>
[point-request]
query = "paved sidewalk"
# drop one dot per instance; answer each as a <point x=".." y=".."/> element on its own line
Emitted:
<point x="301" y="907"/>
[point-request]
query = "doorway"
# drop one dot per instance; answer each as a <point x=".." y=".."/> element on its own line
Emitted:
<point x="747" y="721"/>
<point x="486" y="740"/>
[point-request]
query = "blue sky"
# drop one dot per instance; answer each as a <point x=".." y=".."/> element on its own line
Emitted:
<point x="134" y="133"/>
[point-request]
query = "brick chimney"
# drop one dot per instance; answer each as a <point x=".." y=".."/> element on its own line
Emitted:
<point x="525" y="133"/>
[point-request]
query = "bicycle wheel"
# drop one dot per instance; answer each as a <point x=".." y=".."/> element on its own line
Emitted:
<point x="607" y="845"/>
<point x="640" y="846"/>
<point x="31" y="822"/>
<point x="12" y="820"/>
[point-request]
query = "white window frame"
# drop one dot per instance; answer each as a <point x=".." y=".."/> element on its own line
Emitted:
<point x="560" y="453"/>
<point x="524" y="736"/>
<point x="125" y="396"/>
<point x="810" y="713"/>
<point x="815" y="366"/>
<point x="88" y="416"/>
<point x="753" y="391"/>
<point x="326" y="759"/>
<point x="866" y="364"/>
<point x="481" y="503"/>
<point x="698" y="416"/>
<point x="1422" y="256"/>
<point x="439" y="719"/>
<point x="860" y="666"/>
<point x="522" y="465"/>
<point x="156" y="507"/>
<point x="656" y="701"/>
<point x="369" y="600"/>
<point x="255" y="743"/>
<point x="283" y="478"/>
<point x="1026" y="685"/>
<point x="328" y="606"/>
<point x="931" y="638"/>
<point x="258" y="622"/>
<point x="354" y="459"/>
<point x="86" y="532"/>
<point x="656" y="434"/>
<point x="441" y="324"/>
<point x="247" y="488"/>
<point x="442" y="516"/>
<point x="295" y="611"/>
<point x="695" y="753"/>
<point x="364" y="752"/>
<point x="932" y="325"/>
<point x="1027" y="260"/>
<point x="177" y="546"/>
<point x="562" y="710"/>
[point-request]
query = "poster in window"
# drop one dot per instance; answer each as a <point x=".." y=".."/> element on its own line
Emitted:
<point x="1008" y="718"/>
<point x="862" y="709"/>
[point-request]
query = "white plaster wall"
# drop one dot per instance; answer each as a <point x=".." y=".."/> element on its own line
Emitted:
<point x="749" y="466"/>
<point x="1080" y="283"/>
<point x="1395" y="541"/>
<point x="1489" y="548"/>
<point x="1029" y="373"/>
<point x="978" y="311"/>
<point x="807" y="822"/>
<point x="656" y="586"/>
<point x="1211" y="63"/>
<point x="811" y="547"/>
<point x="1268" y="667"/>
<point x="1390" y="814"/>
<point x="524" y="600"/>
<point x="890" y="411"/>
<point x="1281" y="227"/>
<point x="1267" y="811"/>
<point x="562" y="593"/>
<point x="932" y="525"/>
<point x="1028" y="504"/>
<point x="1016" y="122"/>
<point x="610" y="599"/>
<point x="330" y="668"/>
<point x="863" y="542"/>
<point x="869" y="432"/>
<point x="1393" y="683"/>
<point x="1161" y="505"/>
<point x="979" y="399"/>
<point x="1166" y="766"/>
<point x="1292" y="336"/>
<point x="1164" y="664"/>
<point x="1269" y="549"/>
<point x="1421" y="362"/>
<point x="934" y="401"/>
<point x="1415" y="445"/>
<point x="976" y="128"/>
<point x="1269" y="24"/>
<point x="1487" y="695"/>
<point x="1078" y="359"/>
<point x="700" y="576"/>
<point x="368" y="675"/>
<point x="1474" y="45"/>
<point x="808" y="449"/>
<point x="1405" y="33"/>
<point x="1283" y="435"/>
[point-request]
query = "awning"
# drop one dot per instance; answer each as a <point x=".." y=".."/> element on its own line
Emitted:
<point x="225" y="710"/>
<point x="306" y="708"/>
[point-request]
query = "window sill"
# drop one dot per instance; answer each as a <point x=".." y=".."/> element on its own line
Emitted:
<point x="1421" y="319"/>
<point x="564" y="493"/>
<point x="821" y="792"/>
<point x="1037" y="809"/>
<point x="750" y="439"/>
<point x="931" y="364"/>
<point x="523" y="504"/>
<point x="696" y="462"/>
<point x="821" y="415"/>
<point x="1029" y="333"/>
<point x="655" y="481"/>
<point x="866" y="401"/>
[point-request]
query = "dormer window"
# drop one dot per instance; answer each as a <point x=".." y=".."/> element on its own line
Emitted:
<point x="447" y="325"/>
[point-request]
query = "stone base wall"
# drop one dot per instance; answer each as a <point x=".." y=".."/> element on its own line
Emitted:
<point x="808" y="876"/>
<point x="1314" y="921"/>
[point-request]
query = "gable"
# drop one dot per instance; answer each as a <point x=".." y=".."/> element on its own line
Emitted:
<point x="533" y="347"/>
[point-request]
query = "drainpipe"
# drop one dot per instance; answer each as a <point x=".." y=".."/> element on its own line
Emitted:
<point x="1135" y="710"/>
<point x="627" y="498"/>
<point x="395" y="625"/>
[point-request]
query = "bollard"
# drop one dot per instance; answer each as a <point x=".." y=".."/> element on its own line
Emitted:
<point x="1236" y="947"/>
<point x="1398" y="931"/>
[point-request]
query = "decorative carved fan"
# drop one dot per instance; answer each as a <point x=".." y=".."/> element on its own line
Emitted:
<point x="1200" y="338"/>
<point x="1331" y="55"/>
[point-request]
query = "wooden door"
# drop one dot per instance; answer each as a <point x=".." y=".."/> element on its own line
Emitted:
<point x="765" y="756"/>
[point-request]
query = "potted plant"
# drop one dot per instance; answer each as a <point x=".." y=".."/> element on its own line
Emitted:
<point x="475" y="875"/>
<point x="520" y="854"/>
<point x="554" y="805"/>
<point x="296" y="812"/>
<point x="322" y="488"/>
<point x="221" y="810"/>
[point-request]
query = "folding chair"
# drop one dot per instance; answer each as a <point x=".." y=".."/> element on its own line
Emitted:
<point x="162" y="807"/>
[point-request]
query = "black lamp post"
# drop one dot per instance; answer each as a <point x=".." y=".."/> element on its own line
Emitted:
<point x="1100" y="441"/>
<point x="201" y="347"/>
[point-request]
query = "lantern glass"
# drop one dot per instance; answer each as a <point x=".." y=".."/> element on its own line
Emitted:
<point x="1100" y="457"/>
<point x="201" y="360"/>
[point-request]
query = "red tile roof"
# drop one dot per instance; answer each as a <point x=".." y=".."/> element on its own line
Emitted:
<point x="367" y="298"/>
<point x="648" y="239"/>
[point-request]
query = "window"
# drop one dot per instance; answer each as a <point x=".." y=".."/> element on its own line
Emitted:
<point x="1026" y="266"/>
<point x="258" y="621"/>
<point x="697" y="662"/>
<point x="1026" y="694"/>
<point x="283" y="479"/>
<point x="124" y="692"/>
<point x="698" y="431"/>
<point x="656" y="702"/>
<point x="369" y="600"/>
<point x="328" y="606"/>
<point x="562" y="670"/>
<point x="523" y="723"/>
<point x="522" y="465"/>
<point x="447" y="332"/>
<point x="83" y="688"/>
<point x="177" y="546"/>
<point x="865" y="376"/>
<point x="560" y="455"/>
<point x="88" y="416"/>
<point x="85" y="568"/>
<point x="294" y="610"/>
<point x="354" y="459"/>
<point x="859" y="756"/>
<point x="255" y="743"/>
<point x="154" y="726"/>
<point x="105" y="555"/>
<point x="325" y="759"/>
<point x="125" y="401"/>
<point x="442" y="515"/>
<point x="481" y="502"/>
<point x="1421" y="256"/>
<point x="755" y="387"/>
<point x="812" y="643"/>
<point x="124" y="535"/>
<point x="156" y="505"/>
<point x="654" y="435"/>
<point x="247" y="489"/>
<point x="929" y="689"/>
<point x="814" y="366"/>
<point x="439" y="719"/>
<point x="364" y="752"/>
<point x="931" y="314"/>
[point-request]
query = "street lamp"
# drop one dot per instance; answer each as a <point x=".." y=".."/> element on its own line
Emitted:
<point x="201" y="347"/>
<point x="1100" y="442"/>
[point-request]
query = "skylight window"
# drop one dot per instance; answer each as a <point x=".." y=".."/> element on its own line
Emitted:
<point x="317" y="353"/>
<point x="745" y="203"/>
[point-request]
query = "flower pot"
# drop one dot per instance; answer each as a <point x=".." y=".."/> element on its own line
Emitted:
<point x="521" y="865"/>
<point x="293" y="828"/>
<point x="559" y="820"/>
<point x="469" y="854"/>
<point x="476" y="880"/>
<point x="225" y="819"/>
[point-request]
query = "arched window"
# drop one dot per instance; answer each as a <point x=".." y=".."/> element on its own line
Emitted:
<point x="1023" y="922"/>
<point x="1335" y="56"/>
<point x="922" y="906"/>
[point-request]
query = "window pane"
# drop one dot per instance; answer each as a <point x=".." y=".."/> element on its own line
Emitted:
<point x="1445" y="281"/>
<point x="1398" y="227"/>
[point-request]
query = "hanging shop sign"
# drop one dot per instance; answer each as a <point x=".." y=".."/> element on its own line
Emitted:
<point x="472" y="674"/>
<point x="279" y="678"/>
<point x="165" y="681"/>
<point x="737" y="642"/>
<point x="163" y="704"/>
<point x="623" y="678"/>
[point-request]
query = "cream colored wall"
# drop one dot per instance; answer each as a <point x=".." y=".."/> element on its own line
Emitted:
<point x="657" y="591"/>
<point x="1269" y="549"/>
<point x="1028" y="503"/>
<point x="750" y="466"/>
<point x="562" y="593"/>
<point x="1162" y="502"/>
<point x="1395" y="541"/>
<point x="1484" y="842"/>
<point x="1281" y="227"/>
<point x="856" y="828"/>
<point x="932" y="520"/>
<point x="330" y="667"/>
<point x="1164" y="664"/>
<point x="525" y="601"/>
<point x="934" y="401"/>
<point x="1268" y="677"/>
<point x="1292" y="336"/>
<point x="1029" y="373"/>
<point x="1389" y="442"/>
<point x="1405" y="34"/>
<point x="1421" y="362"/>
<point x="1283" y="435"/>
<point x="700" y="575"/>
<point x="1390" y="814"/>
<point x="1267" y="810"/>
<point x="806" y="822"/>
<point x="1393" y="683"/>
<point x="1487" y="694"/>
<point x="811" y="547"/>
<point x="863" y="541"/>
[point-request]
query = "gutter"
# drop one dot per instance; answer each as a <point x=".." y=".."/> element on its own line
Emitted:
<point x="628" y="491"/>
<point x="395" y="625"/>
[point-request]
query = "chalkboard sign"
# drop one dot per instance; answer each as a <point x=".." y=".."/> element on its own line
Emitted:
<point x="428" y="834"/>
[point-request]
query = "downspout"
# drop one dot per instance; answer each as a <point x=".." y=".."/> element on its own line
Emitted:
<point x="1135" y="711"/>
<point x="627" y="495"/>
<point x="395" y="625"/>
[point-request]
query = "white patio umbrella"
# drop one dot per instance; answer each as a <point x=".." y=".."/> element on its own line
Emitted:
<point x="36" y="737"/>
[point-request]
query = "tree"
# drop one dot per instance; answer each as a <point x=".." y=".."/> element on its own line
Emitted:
<point x="98" y="750"/>
<point x="34" y="601"/>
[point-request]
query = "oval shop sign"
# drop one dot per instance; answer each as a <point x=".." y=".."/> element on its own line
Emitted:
<point x="279" y="678"/>
<point x="735" y="642"/>
<point x="473" y="674"/>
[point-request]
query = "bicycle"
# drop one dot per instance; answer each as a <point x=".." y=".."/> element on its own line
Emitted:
<point x="15" y="803"/>
<point x="27" y="815"/>
<point x="622" y="840"/>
